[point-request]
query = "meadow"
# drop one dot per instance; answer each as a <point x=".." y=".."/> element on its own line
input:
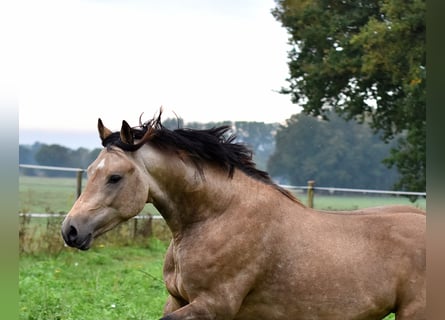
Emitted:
<point x="120" y="277"/>
<point x="106" y="282"/>
<point x="57" y="195"/>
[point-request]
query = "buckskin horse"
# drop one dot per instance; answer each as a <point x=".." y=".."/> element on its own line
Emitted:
<point x="243" y="247"/>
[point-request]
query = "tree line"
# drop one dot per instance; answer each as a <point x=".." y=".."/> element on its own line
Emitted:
<point x="335" y="153"/>
<point x="55" y="155"/>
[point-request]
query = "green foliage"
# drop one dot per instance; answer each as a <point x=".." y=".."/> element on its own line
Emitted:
<point x="53" y="155"/>
<point x="363" y="60"/>
<point x="259" y="137"/>
<point x="27" y="153"/>
<point x="335" y="153"/>
<point x="408" y="158"/>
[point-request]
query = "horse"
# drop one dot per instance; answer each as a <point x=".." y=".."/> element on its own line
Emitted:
<point x="243" y="247"/>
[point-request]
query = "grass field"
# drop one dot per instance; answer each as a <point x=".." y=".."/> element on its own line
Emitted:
<point x="103" y="283"/>
<point x="353" y="202"/>
<point x="41" y="194"/>
<point x="57" y="195"/>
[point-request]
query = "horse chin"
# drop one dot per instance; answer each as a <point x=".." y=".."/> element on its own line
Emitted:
<point x="86" y="244"/>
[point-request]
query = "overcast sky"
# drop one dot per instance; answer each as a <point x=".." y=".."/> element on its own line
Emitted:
<point x="203" y="60"/>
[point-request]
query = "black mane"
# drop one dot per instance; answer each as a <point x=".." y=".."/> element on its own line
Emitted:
<point x="213" y="145"/>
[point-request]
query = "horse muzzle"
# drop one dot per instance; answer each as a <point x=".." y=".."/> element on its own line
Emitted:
<point x="74" y="237"/>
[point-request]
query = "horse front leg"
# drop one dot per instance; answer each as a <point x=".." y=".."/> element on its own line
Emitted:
<point x="197" y="310"/>
<point x="172" y="304"/>
<point x="190" y="312"/>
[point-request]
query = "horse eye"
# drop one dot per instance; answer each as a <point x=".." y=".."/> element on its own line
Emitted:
<point x="114" y="179"/>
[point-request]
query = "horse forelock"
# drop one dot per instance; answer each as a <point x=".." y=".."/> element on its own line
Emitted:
<point x="215" y="145"/>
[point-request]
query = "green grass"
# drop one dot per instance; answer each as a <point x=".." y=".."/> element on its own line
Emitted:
<point x="102" y="283"/>
<point x="41" y="194"/>
<point x="325" y="202"/>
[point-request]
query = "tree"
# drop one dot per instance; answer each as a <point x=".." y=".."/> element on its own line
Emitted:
<point x="53" y="155"/>
<point x="363" y="59"/>
<point x="259" y="137"/>
<point x="82" y="157"/>
<point x="336" y="153"/>
<point x="58" y="156"/>
<point x="26" y="156"/>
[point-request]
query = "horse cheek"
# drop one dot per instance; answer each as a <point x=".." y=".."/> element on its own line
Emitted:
<point x="135" y="200"/>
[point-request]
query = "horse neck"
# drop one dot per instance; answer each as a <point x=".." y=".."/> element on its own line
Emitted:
<point x="183" y="195"/>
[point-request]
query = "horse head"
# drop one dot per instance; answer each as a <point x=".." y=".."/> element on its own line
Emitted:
<point x="117" y="190"/>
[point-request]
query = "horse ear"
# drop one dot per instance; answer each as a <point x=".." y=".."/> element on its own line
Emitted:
<point x="104" y="132"/>
<point x="126" y="133"/>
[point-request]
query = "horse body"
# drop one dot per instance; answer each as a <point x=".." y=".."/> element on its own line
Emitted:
<point x="274" y="259"/>
<point x="242" y="248"/>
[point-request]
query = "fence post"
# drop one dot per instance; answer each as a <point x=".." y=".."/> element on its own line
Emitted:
<point x="79" y="182"/>
<point x="310" y="193"/>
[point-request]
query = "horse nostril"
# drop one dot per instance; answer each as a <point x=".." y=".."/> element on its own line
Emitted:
<point x="72" y="234"/>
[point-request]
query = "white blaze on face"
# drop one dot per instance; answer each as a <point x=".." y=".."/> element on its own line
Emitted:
<point x="101" y="164"/>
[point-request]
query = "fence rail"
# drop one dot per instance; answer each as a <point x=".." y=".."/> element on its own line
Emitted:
<point x="310" y="188"/>
<point x="58" y="215"/>
<point x="79" y="173"/>
<point x="53" y="168"/>
<point x="333" y="190"/>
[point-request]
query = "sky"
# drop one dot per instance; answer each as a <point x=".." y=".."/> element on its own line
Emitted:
<point x="201" y="60"/>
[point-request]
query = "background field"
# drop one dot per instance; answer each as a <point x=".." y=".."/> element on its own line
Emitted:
<point x="57" y="195"/>
<point x="104" y="283"/>
<point x="121" y="276"/>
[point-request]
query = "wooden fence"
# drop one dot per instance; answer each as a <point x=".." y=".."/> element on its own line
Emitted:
<point x="79" y="173"/>
<point x="310" y="188"/>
